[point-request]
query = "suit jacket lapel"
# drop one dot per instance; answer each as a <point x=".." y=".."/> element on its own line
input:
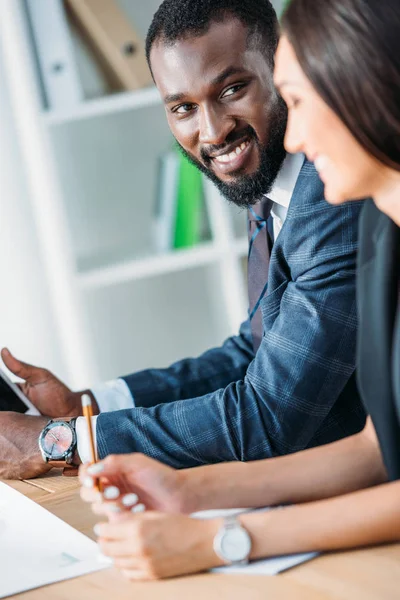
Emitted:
<point x="307" y="188"/>
<point x="396" y="365"/>
<point x="377" y="302"/>
<point x="396" y="339"/>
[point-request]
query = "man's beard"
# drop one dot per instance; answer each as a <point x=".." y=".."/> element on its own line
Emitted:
<point x="246" y="190"/>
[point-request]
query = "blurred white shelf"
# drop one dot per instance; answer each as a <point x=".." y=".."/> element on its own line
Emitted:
<point x="106" y="105"/>
<point x="241" y="246"/>
<point x="159" y="264"/>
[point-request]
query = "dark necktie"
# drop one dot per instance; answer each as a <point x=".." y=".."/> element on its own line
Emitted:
<point x="260" y="245"/>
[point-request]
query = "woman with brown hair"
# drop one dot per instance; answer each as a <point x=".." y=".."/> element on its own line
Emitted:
<point x="338" y="69"/>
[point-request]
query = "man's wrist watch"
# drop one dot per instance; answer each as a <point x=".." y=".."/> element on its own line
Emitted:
<point x="232" y="543"/>
<point x="58" y="445"/>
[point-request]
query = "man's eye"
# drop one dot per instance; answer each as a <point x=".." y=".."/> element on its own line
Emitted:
<point x="183" y="109"/>
<point x="233" y="89"/>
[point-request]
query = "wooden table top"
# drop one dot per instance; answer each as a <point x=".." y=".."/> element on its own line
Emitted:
<point x="366" y="574"/>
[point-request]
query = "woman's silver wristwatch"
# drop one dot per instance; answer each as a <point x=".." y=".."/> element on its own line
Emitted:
<point x="232" y="543"/>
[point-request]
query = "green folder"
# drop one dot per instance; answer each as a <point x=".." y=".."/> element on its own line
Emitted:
<point x="189" y="206"/>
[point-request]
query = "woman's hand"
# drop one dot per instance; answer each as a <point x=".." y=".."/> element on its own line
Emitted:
<point x="129" y="479"/>
<point x="154" y="545"/>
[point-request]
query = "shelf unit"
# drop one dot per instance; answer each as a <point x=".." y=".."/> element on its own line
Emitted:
<point x="100" y="107"/>
<point x="117" y="304"/>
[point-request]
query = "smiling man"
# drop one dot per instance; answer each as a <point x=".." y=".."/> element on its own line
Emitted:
<point x="220" y="103"/>
<point x="286" y="382"/>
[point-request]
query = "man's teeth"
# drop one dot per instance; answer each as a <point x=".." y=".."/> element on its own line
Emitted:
<point x="225" y="158"/>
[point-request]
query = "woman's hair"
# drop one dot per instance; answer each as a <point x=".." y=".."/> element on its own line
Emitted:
<point x="350" y="51"/>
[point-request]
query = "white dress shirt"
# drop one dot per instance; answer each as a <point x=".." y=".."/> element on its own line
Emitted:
<point x="115" y="395"/>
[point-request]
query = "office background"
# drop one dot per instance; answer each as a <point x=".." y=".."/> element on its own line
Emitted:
<point x="85" y="290"/>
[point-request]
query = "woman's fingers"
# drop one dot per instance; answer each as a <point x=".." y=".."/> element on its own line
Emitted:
<point x="129" y="500"/>
<point x="106" y="508"/>
<point x="111" y="492"/>
<point x="118" y="530"/>
<point x="156" y="545"/>
<point x="127" y="562"/>
<point x="110" y="501"/>
<point x="115" y="549"/>
<point x="100" y="507"/>
<point x="135" y="574"/>
<point x="90" y="495"/>
<point x="111" y="487"/>
<point x="119" y="538"/>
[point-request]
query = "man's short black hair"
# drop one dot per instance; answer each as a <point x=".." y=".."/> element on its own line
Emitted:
<point x="176" y="19"/>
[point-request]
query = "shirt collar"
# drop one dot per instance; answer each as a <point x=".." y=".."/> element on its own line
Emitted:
<point x="283" y="188"/>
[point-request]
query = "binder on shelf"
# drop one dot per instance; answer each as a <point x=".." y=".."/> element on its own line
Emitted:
<point x="114" y="40"/>
<point x="54" y="49"/>
<point x="165" y="211"/>
<point x="180" y="208"/>
<point x="190" y="204"/>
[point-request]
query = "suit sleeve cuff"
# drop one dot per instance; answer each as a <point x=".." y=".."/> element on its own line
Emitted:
<point x="82" y="438"/>
<point x="113" y="395"/>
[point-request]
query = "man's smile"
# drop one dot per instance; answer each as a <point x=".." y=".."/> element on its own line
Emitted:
<point x="233" y="158"/>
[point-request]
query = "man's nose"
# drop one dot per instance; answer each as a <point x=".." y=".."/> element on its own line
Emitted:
<point x="214" y="127"/>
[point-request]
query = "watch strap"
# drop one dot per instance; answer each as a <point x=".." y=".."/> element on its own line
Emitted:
<point x="70" y="470"/>
<point x="231" y="522"/>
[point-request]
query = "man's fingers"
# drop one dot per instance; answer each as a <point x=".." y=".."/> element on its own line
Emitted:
<point x="19" y="368"/>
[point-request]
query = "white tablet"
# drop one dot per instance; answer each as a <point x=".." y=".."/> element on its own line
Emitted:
<point x="11" y="397"/>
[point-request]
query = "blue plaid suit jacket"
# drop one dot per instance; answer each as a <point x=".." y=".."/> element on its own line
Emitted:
<point x="299" y="389"/>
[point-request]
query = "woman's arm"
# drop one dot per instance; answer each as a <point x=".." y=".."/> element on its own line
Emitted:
<point x="156" y="545"/>
<point x="339" y="468"/>
<point x="361" y="518"/>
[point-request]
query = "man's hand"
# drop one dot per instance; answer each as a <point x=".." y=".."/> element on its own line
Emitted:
<point x="50" y="396"/>
<point x="153" y="484"/>
<point x="20" y="456"/>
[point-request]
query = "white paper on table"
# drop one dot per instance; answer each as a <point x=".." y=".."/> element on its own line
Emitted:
<point x="38" y="548"/>
<point x="267" y="566"/>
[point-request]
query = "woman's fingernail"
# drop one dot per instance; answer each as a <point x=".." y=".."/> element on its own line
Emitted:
<point x="97" y="529"/>
<point x="112" y="508"/>
<point x="138" y="508"/>
<point x="111" y="493"/>
<point x="95" y="469"/>
<point x="88" y="482"/>
<point x="129" y="499"/>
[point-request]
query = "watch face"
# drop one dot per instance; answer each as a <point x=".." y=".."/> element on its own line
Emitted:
<point x="57" y="440"/>
<point x="235" y="544"/>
